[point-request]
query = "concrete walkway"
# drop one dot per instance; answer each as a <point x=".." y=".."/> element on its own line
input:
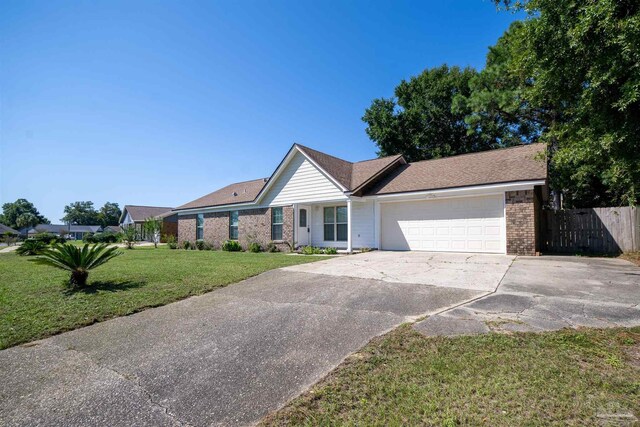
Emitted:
<point x="224" y="358"/>
<point x="549" y="293"/>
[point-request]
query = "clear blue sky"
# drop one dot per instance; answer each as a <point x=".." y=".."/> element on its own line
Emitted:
<point x="158" y="102"/>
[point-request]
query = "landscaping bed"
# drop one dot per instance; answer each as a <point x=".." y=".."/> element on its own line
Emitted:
<point x="35" y="301"/>
<point x="583" y="377"/>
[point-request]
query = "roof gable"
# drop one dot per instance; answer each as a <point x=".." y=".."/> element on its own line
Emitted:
<point x="299" y="180"/>
<point x="366" y="171"/>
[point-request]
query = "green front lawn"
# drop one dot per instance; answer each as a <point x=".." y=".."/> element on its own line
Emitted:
<point x="34" y="302"/>
<point x="584" y="377"/>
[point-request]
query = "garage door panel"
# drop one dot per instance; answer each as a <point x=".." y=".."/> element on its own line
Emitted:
<point x="472" y="224"/>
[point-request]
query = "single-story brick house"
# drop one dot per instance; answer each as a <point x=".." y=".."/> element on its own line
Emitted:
<point x="135" y="216"/>
<point x="481" y="202"/>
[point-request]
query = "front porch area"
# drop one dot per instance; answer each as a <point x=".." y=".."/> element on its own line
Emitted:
<point x="346" y="225"/>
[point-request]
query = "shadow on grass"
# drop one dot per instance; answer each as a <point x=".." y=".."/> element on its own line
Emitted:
<point x="107" y="286"/>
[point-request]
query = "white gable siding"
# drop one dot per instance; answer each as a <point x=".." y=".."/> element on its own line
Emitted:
<point x="301" y="182"/>
<point x="127" y="219"/>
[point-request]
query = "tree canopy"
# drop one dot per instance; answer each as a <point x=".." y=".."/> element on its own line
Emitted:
<point x="109" y="214"/>
<point x="567" y="75"/>
<point x="80" y="213"/>
<point x="425" y="121"/>
<point x="21" y="213"/>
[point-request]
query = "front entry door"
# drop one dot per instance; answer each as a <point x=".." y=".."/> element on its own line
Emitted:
<point x="303" y="225"/>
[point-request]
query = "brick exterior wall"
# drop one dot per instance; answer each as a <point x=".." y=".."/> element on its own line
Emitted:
<point x="523" y="212"/>
<point x="186" y="228"/>
<point x="169" y="229"/>
<point x="253" y="225"/>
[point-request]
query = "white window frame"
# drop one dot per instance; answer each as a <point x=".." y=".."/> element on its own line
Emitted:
<point x="335" y="223"/>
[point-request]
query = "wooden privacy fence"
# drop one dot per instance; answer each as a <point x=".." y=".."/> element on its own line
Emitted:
<point x="595" y="230"/>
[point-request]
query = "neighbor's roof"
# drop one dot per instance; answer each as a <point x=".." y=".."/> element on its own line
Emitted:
<point x="520" y="163"/>
<point x="240" y="192"/>
<point x="6" y="229"/>
<point x="140" y="213"/>
<point x="62" y="228"/>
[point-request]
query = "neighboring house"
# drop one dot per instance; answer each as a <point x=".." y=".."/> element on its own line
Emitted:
<point x="133" y="215"/>
<point x="75" y="232"/>
<point x="481" y="202"/>
<point x="4" y="229"/>
<point x="111" y="229"/>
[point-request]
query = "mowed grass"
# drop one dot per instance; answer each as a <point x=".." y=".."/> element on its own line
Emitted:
<point x="35" y="303"/>
<point x="585" y="377"/>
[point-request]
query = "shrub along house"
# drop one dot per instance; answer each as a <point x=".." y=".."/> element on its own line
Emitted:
<point x="481" y="202"/>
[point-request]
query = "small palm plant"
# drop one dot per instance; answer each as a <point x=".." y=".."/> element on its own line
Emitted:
<point x="79" y="261"/>
<point x="31" y="247"/>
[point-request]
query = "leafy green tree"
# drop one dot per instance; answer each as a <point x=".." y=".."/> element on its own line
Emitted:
<point x="80" y="213"/>
<point x="576" y="64"/>
<point x="21" y="213"/>
<point x="497" y="106"/>
<point x="109" y="214"/>
<point x="153" y="227"/>
<point x="426" y="120"/>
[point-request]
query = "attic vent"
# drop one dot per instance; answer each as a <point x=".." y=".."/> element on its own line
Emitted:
<point x="234" y="194"/>
<point x="265" y="179"/>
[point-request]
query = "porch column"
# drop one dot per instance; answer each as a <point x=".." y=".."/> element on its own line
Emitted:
<point x="349" y="241"/>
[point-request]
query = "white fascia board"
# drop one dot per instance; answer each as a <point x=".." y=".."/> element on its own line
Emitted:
<point x="460" y="191"/>
<point x="221" y="208"/>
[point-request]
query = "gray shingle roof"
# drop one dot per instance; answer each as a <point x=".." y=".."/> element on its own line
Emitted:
<point x="6" y="229"/>
<point x="520" y="163"/>
<point x="240" y="192"/>
<point x="140" y="213"/>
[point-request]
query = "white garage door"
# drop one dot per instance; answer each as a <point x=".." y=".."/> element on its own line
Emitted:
<point x="469" y="224"/>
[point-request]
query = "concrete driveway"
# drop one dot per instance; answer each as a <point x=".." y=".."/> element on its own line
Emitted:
<point x="481" y="272"/>
<point x="231" y="356"/>
<point x="224" y="358"/>
<point x="549" y="293"/>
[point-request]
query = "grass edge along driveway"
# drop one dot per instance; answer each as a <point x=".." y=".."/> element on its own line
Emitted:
<point x="569" y="377"/>
<point x="35" y="303"/>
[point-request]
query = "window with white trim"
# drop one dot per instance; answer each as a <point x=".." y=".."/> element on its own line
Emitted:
<point x="233" y="225"/>
<point x="200" y="227"/>
<point x="335" y="224"/>
<point x="277" y="220"/>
